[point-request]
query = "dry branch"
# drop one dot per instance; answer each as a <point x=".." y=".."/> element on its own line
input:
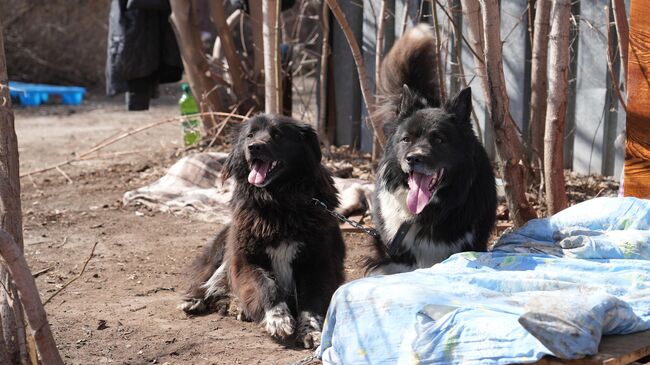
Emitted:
<point x="509" y="147"/>
<point x="379" y="53"/>
<point x="107" y="142"/>
<point x="324" y="69"/>
<point x="610" y="64"/>
<point x="30" y="299"/>
<point x="471" y="11"/>
<point x="361" y="70"/>
<point x="194" y="61"/>
<point x="440" y="75"/>
<point x="622" y="32"/>
<point x="559" y="39"/>
<point x="229" y="49"/>
<point x="83" y="269"/>
<point x="472" y="15"/>
<point x="459" y="57"/>
<point x="539" y="80"/>
<point x="256" y="17"/>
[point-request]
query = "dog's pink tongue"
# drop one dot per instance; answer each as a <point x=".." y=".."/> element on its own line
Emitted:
<point x="419" y="193"/>
<point x="258" y="172"/>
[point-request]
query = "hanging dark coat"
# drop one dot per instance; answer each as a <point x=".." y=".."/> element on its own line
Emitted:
<point x="141" y="45"/>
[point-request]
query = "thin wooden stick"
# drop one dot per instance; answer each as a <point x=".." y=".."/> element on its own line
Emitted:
<point x="194" y="60"/>
<point x="30" y="299"/>
<point x="223" y="124"/>
<point x="106" y="143"/>
<point x="469" y="46"/>
<point x="622" y="31"/>
<point x="461" y="68"/>
<point x="379" y="55"/>
<point x="405" y="19"/>
<point x="439" y="68"/>
<point x="229" y="50"/>
<point x="83" y="269"/>
<point x="324" y="64"/>
<point x="58" y="168"/>
<point x="610" y="63"/>
<point x="361" y="70"/>
<point x="114" y="154"/>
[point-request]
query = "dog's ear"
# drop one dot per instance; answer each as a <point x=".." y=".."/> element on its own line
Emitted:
<point x="309" y="136"/>
<point x="233" y="161"/>
<point x="389" y="128"/>
<point x="407" y="102"/>
<point x="461" y="105"/>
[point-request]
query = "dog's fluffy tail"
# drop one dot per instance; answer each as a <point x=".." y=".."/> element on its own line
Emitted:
<point x="412" y="62"/>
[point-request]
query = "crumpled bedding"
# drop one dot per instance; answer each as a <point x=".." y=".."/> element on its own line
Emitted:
<point x="193" y="187"/>
<point x="553" y="287"/>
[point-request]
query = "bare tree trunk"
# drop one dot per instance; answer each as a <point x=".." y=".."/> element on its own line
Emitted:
<point x="472" y="15"/>
<point x="324" y="66"/>
<point x="610" y="65"/>
<point x="622" y="32"/>
<point x="229" y="51"/>
<point x="539" y="82"/>
<point x="379" y="55"/>
<point x="439" y="62"/>
<point x="272" y="83"/>
<point x="4" y="351"/>
<point x="559" y="38"/>
<point x="257" y="19"/>
<point x="361" y="70"/>
<point x="13" y="347"/>
<point x="194" y="61"/>
<point x="509" y="147"/>
<point x="30" y="298"/>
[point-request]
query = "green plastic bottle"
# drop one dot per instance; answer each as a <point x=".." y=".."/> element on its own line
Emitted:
<point x="190" y="127"/>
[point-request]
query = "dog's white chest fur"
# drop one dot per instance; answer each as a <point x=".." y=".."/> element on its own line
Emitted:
<point x="281" y="259"/>
<point x="393" y="210"/>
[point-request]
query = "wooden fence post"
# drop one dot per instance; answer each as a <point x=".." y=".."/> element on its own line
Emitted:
<point x="637" y="146"/>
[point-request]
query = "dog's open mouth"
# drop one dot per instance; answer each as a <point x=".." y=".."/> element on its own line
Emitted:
<point x="421" y="188"/>
<point x="261" y="171"/>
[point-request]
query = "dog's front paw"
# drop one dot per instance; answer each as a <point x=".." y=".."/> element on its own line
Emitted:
<point x="193" y="306"/>
<point x="309" y="330"/>
<point x="309" y="340"/>
<point x="278" y="321"/>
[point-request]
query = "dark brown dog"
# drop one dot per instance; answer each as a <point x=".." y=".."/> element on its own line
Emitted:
<point x="282" y="255"/>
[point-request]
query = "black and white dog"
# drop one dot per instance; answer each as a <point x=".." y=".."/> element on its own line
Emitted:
<point x="435" y="188"/>
<point x="282" y="256"/>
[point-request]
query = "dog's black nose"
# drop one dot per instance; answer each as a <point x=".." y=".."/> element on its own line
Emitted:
<point x="255" y="147"/>
<point x="413" y="158"/>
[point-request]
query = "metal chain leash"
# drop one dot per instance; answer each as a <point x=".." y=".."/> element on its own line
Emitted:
<point x="369" y="231"/>
<point x="307" y="360"/>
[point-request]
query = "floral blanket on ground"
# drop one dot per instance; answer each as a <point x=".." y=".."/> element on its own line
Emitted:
<point x="553" y="287"/>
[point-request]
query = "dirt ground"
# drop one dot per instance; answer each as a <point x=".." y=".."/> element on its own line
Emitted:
<point x="122" y="310"/>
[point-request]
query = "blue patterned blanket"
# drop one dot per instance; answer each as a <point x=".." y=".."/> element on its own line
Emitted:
<point x="554" y="287"/>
